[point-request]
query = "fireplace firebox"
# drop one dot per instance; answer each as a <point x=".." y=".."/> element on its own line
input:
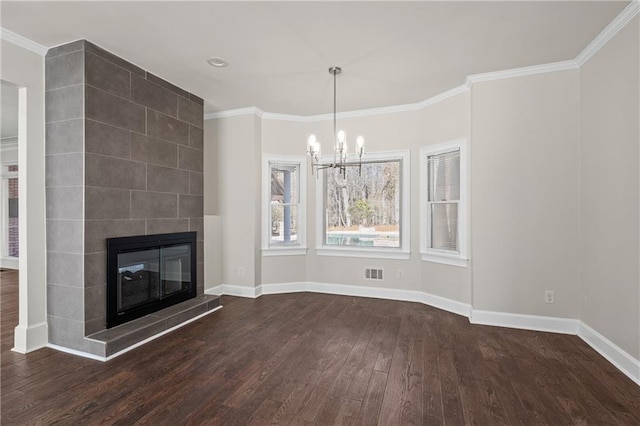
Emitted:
<point x="147" y="273"/>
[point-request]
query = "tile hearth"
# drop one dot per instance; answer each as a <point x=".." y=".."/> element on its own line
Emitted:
<point x="118" y="338"/>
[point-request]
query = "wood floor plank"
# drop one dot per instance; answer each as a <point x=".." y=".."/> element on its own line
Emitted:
<point x="318" y="359"/>
<point x="264" y="413"/>
<point x="452" y="411"/>
<point x="347" y="412"/>
<point x="372" y="402"/>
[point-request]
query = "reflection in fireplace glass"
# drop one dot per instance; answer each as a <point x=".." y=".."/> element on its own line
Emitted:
<point x="138" y="278"/>
<point x="176" y="271"/>
<point x="148" y="275"/>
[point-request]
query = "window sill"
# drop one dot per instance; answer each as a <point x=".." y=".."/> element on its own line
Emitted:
<point x="374" y="253"/>
<point x="285" y="251"/>
<point x="445" y="259"/>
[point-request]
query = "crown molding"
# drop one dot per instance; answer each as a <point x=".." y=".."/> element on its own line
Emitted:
<point x="522" y="72"/>
<point x="610" y="30"/>
<point x="9" y="145"/>
<point x="395" y="108"/>
<point x="23" y="42"/>
<point x="286" y="117"/>
<point x="347" y="114"/>
<point x="234" y="113"/>
<point x="463" y="88"/>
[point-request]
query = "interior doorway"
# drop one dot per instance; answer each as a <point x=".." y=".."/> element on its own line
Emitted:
<point x="12" y="119"/>
<point x="9" y="181"/>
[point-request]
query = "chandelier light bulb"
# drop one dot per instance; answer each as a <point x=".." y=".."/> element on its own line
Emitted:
<point x="313" y="146"/>
<point x="342" y="137"/>
<point x="360" y="143"/>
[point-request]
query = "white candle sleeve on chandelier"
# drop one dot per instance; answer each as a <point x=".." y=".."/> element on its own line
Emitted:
<point x="311" y="143"/>
<point x="359" y="144"/>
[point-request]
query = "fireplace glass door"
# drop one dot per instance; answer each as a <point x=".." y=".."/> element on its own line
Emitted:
<point x="149" y="273"/>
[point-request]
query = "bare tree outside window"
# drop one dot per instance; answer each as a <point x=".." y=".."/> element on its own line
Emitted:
<point x="363" y="209"/>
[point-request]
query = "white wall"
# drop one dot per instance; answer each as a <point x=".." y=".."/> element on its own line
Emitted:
<point x="610" y="190"/>
<point x="441" y="122"/>
<point x="26" y="69"/>
<point x="236" y="143"/>
<point x="525" y="194"/>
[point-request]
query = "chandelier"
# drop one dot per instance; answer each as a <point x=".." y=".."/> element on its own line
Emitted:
<point x="341" y="159"/>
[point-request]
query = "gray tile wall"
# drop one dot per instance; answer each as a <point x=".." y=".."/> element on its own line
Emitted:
<point x="124" y="157"/>
<point x="64" y="100"/>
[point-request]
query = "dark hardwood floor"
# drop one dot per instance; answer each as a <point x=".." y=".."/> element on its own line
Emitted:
<point x="319" y="359"/>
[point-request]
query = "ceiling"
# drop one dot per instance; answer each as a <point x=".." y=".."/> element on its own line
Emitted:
<point x="391" y="53"/>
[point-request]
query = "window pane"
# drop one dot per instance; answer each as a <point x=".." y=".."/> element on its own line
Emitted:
<point x="363" y="209"/>
<point x="13" y="222"/>
<point x="284" y="225"/>
<point x="444" y="226"/>
<point x="284" y="183"/>
<point x="444" y="176"/>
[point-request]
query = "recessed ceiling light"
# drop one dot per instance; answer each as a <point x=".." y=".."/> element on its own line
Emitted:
<point x="217" y="62"/>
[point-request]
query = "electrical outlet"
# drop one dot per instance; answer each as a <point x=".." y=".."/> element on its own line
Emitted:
<point x="549" y="296"/>
<point x="241" y="271"/>
<point x="400" y="274"/>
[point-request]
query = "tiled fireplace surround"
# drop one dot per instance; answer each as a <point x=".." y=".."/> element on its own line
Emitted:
<point x="124" y="157"/>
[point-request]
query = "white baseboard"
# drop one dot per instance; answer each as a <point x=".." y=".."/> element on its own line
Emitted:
<point x="612" y="352"/>
<point x="525" y="322"/>
<point x="9" y="263"/>
<point x="360" y="291"/>
<point x="233" y="290"/>
<point x="443" y="303"/>
<point x="30" y="338"/>
<point x="284" y="288"/>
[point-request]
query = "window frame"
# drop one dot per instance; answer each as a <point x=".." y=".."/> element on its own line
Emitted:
<point x="301" y="247"/>
<point x="402" y="252"/>
<point x="458" y="258"/>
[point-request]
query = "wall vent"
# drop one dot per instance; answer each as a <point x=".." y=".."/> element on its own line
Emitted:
<point x="372" y="274"/>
